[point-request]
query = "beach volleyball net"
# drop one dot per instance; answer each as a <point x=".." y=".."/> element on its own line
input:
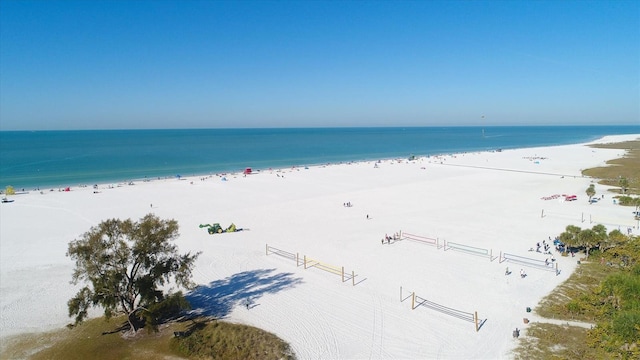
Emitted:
<point x="615" y="222"/>
<point x="420" y="239"/>
<point x="481" y="252"/>
<point x="270" y="250"/>
<point x="420" y="302"/>
<point x="529" y="262"/>
<point x="473" y="250"/>
<point x="563" y="215"/>
<point x="309" y="263"/>
<point x="593" y="219"/>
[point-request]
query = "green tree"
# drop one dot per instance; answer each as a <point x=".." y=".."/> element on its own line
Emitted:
<point x="616" y="238"/>
<point x="623" y="182"/>
<point x="587" y="238"/>
<point x="591" y="190"/>
<point x="570" y="236"/>
<point x="124" y="264"/>
<point x="601" y="232"/>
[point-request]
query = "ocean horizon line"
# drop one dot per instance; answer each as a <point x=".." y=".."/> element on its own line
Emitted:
<point x="333" y="127"/>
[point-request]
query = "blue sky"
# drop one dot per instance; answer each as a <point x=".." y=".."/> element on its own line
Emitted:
<point x="217" y="64"/>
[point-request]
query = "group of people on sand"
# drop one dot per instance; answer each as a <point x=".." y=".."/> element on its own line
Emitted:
<point x="388" y="238"/>
<point x="347" y="204"/>
<point x="544" y="245"/>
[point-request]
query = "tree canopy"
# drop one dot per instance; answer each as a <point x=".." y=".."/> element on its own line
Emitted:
<point x="591" y="190"/>
<point x="574" y="236"/>
<point x="124" y="264"/>
<point x="623" y="182"/>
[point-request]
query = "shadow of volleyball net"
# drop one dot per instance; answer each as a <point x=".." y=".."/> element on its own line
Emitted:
<point x="311" y="263"/>
<point x="418" y="302"/>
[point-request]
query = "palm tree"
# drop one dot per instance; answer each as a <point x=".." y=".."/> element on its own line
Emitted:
<point x="624" y="184"/>
<point x="588" y="238"/>
<point x="601" y="230"/>
<point x="570" y="236"/>
<point x="591" y="190"/>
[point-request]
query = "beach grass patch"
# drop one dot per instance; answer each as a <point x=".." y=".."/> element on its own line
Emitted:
<point x="102" y="339"/>
<point x="627" y="167"/>
<point x="550" y="341"/>
<point x="222" y="340"/>
<point x="94" y="339"/>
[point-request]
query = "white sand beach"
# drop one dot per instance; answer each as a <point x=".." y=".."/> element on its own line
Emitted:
<point x="489" y="202"/>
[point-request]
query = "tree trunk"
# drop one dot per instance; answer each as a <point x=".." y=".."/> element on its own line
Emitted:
<point x="131" y="321"/>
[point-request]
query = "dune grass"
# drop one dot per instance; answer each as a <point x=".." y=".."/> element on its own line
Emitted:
<point x="549" y="341"/>
<point x="100" y="339"/>
<point x="627" y="167"/>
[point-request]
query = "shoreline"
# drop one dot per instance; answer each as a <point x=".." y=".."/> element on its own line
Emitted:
<point x="42" y="181"/>
<point x="465" y="198"/>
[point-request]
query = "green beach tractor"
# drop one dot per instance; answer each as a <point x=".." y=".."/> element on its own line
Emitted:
<point x="212" y="229"/>
<point x="217" y="229"/>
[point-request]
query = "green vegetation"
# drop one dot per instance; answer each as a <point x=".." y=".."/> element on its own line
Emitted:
<point x="604" y="292"/>
<point x="586" y="239"/>
<point x="625" y="200"/>
<point x="125" y="263"/>
<point x="627" y="168"/>
<point x="102" y="339"/>
<point x="220" y="340"/>
<point x="591" y="190"/>
<point x="549" y="341"/>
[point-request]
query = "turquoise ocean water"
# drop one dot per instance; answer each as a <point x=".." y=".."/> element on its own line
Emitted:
<point x="47" y="159"/>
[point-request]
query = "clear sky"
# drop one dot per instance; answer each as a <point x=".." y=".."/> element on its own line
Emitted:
<point x="216" y="64"/>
